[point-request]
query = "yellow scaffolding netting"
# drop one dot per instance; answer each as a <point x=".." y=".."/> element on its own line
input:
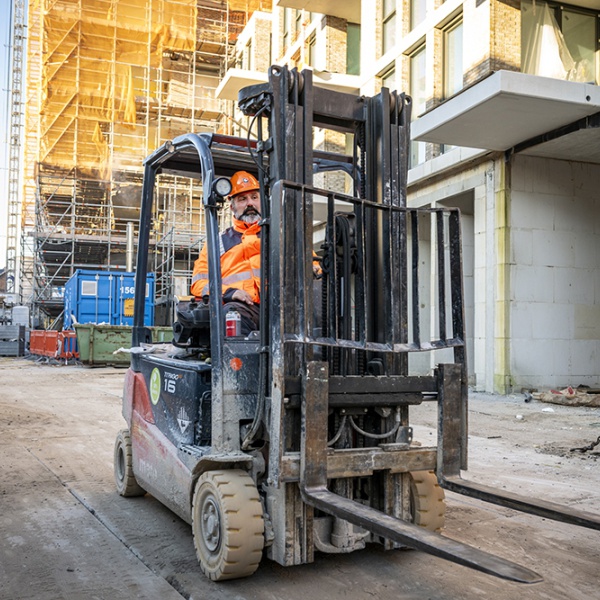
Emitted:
<point x="101" y="71"/>
<point x="115" y="78"/>
<point x="108" y="81"/>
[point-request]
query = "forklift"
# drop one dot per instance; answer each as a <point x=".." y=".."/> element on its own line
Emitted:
<point x="296" y="438"/>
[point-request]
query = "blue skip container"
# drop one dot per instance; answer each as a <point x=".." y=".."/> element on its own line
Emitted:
<point x="105" y="297"/>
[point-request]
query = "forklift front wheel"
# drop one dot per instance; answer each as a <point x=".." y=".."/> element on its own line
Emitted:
<point x="427" y="500"/>
<point x="227" y="523"/>
<point x="123" y="464"/>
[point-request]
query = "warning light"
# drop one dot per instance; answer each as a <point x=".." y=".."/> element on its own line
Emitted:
<point x="235" y="363"/>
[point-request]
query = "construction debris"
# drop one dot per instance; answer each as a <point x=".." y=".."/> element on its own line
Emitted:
<point x="588" y="447"/>
<point x="569" y="397"/>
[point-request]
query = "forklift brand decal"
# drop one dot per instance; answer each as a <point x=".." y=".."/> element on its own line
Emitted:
<point x="171" y="380"/>
<point x="155" y="385"/>
<point x="183" y="420"/>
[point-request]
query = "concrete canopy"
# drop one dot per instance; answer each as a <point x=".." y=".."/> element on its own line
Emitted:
<point x="235" y="79"/>
<point x="509" y="108"/>
<point x="348" y="9"/>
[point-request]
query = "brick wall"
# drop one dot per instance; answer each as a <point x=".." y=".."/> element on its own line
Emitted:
<point x="435" y="59"/>
<point x="262" y="45"/>
<point x="378" y="7"/>
<point x="554" y="270"/>
<point x="335" y="44"/>
<point x="404" y="13"/>
<point x="505" y="24"/>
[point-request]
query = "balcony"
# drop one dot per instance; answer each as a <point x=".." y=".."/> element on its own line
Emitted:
<point x="235" y="79"/>
<point x="348" y="9"/>
<point x="551" y="117"/>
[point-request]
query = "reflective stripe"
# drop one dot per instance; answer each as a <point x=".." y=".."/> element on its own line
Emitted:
<point x="237" y="277"/>
<point x="199" y="277"/>
<point x="230" y="278"/>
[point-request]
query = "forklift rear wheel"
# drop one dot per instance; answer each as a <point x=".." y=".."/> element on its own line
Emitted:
<point x="427" y="501"/>
<point x="123" y="463"/>
<point x="227" y="523"/>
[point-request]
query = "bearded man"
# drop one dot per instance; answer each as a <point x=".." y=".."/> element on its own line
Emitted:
<point x="240" y="254"/>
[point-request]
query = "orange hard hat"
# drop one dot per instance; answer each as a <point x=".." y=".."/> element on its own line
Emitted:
<point x="243" y="182"/>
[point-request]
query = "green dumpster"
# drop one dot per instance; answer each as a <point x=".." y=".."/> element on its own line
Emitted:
<point x="97" y="343"/>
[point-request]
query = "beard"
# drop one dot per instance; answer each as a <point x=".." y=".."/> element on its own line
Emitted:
<point x="250" y="215"/>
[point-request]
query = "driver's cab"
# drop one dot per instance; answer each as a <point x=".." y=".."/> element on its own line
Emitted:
<point x="181" y="374"/>
<point x="228" y="373"/>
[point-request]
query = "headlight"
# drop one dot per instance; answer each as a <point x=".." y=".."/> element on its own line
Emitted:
<point x="222" y="186"/>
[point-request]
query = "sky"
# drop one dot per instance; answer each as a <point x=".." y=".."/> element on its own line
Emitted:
<point x="5" y="27"/>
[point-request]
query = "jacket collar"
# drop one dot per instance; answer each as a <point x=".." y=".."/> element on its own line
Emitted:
<point x="244" y="227"/>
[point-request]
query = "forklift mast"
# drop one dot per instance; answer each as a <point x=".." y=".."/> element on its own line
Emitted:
<point x="370" y="314"/>
<point x="334" y="372"/>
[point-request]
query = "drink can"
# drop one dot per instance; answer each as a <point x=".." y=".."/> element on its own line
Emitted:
<point x="233" y="323"/>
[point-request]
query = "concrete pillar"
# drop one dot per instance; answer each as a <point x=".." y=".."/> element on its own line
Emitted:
<point x="501" y="187"/>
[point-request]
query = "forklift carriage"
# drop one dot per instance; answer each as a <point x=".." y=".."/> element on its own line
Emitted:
<point x="297" y="437"/>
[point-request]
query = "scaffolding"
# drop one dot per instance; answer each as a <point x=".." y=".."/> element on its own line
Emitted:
<point x="14" y="154"/>
<point x="108" y="82"/>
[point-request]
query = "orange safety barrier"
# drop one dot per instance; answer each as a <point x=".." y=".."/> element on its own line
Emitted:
<point x="67" y="341"/>
<point x="43" y="343"/>
<point x="54" y="344"/>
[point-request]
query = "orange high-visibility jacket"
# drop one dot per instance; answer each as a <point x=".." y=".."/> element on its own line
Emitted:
<point x="240" y="262"/>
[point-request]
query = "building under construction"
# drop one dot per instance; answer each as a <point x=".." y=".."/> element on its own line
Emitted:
<point x="108" y="82"/>
<point x="506" y="114"/>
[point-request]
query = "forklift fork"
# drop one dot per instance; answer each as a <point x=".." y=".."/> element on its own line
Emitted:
<point x="540" y="508"/>
<point x="313" y="487"/>
<point x="449" y="463"/>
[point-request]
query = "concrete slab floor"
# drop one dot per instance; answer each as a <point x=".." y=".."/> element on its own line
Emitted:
<point x="65" y="532"/>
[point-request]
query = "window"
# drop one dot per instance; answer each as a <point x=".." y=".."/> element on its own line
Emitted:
<point x="89" y="288"/>
<point x="388" y="38"/>
<point x="287" y="18"/>
<point x="353" y="49"/>
<point x="453" y="58"/>
<point x="418" y="10"/>
<point x="312" y="57"/>
<point x="388" y="79"/>
<point x="419" y="100"/>
<point x="247" y="62"/>
<point x="295" y="60"/>
<point x="559" y="41"/>
<point x="292" y="23"/>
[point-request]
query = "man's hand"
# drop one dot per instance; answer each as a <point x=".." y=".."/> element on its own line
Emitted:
<point x="242" y="296"/>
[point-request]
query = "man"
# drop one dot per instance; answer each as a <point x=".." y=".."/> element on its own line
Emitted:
<point x="240" y="254"/>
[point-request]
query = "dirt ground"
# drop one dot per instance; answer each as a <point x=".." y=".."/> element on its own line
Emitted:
<point x="66" y="534"/>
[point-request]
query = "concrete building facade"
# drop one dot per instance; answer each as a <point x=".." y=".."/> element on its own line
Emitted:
<point x="506" y="111"/>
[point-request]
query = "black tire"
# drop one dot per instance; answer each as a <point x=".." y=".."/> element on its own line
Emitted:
<point x="427" y="500"/>
<point x="125" y="481"/>
<point x="227" y="523"/>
